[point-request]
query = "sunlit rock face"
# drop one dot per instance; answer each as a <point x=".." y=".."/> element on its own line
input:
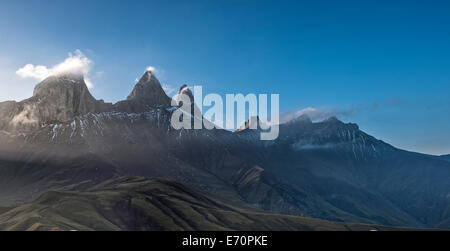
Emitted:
<point x="64" y="97"/>
<point x="61" y="98"/>
<point x="58" y="98"/>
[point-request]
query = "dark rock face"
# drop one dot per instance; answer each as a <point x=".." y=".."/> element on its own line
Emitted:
<point x="184" y="89"/>
<point x="187" y="93"/>
<point x="192" y="111"/>
<point x="149" y="89"/>
<point x="147" y="93"/>
<point x="355" y="173"/>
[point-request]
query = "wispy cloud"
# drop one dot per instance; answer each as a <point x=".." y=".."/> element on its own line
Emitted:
<point x="151" y="68"/>
<point x="318" y="113"/>
<point x="160" y="73"/>
<point x="76" y="63"/>
<point x="324" y="112"/>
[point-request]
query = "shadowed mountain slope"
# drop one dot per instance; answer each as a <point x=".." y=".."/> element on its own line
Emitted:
<point x="329" y="170"/>
<point x="139" y="204"/>
<point x="356" y="173"/>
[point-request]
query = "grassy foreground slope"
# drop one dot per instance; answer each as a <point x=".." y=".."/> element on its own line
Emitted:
<point x="143" y="204"/>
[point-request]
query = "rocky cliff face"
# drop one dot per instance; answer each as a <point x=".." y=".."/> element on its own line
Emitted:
<point x="61" y="98"/>
<point x="148" y="93"/>
<point x="56" y="99"/>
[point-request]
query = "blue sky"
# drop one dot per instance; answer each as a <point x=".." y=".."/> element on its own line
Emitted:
<point x="382" y="64"/>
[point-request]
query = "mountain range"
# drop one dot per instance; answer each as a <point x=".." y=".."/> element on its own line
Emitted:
<point x="66" y="158"/>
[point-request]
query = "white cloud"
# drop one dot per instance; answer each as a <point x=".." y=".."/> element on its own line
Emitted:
<point x="157" y="71"/>
<point x="76" y="63"/>
<point x="88" y="82"/>
<point x="30" y="71"/>
<point x="318" y="113"/>
<point x="151" y="68"/>
<point x="324" y="112"/>
<point x="306" y="111"/>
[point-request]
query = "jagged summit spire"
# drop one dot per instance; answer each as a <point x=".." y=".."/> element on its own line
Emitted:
<point x="149" y="77"/>
<point x="194" y="110"/>
<point x="148" y="90"/>
<point x="184" y="90"/>
<point x="147" y="93"/>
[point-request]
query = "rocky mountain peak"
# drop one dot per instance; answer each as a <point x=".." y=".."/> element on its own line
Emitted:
<point x="149" y="92"/>
<point x="333" y="123"/>
<point x="193" y="109"/>
<point x="184" y="90"/>
<point x="301" y="119"/>
<point x="58" y="98"/>
<point x="332" y="120"/>
<point x="55" y="86"/>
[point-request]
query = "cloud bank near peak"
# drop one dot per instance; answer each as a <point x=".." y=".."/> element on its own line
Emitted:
<point x="76" y="63"/>
<point x="151" y="69"/>
<point x="318" y="113"/>
<point x="323" y="112"/>
<point x="157" y="71"/>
